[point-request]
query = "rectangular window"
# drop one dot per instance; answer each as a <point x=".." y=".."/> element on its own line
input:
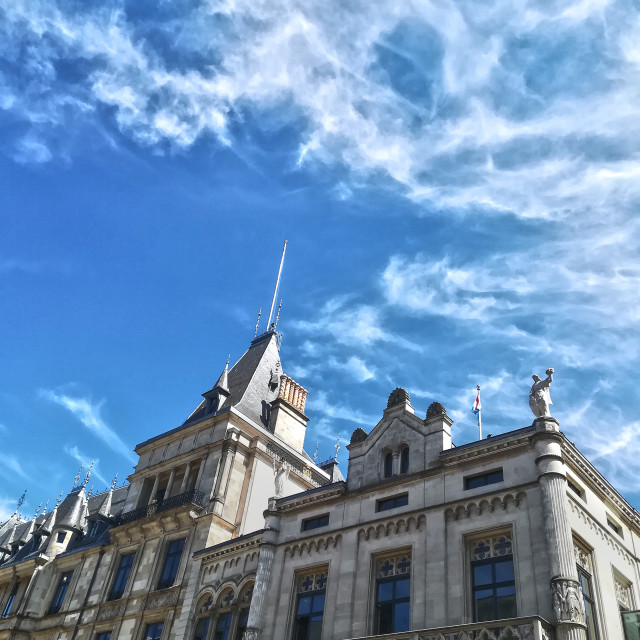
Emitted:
<point x="243" y="620"/>
<point x="310" y="606"/>
<point x="575" y="488"/>
<point x="493" y="584"/>
<point x="614" y="526"/>
<point x="153" y="631"/>
<point x="61" y="536"/>
<point x="393" y="594"/>
<point x="392" y="503"/>
<point x="105" y="635"/>
<point x="589" y="604"/>
<point x="7" y="607"/>
<point x="171" y="563"/>
<point x="122" y="576"/>
<point x="631" y="624"/>
<point x="315" y="523"/>
<point x="483" y="479"/>
<point x="61" y="592"/>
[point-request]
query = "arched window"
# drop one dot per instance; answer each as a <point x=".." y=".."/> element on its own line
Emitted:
<point x="228" y="619"/>
<point x="243" y="612"/>
<point x="404" y="460"/>
<point x="388" y="465"/>
<point x="222" y="629"/>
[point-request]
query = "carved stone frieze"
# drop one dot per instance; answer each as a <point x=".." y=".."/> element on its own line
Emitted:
<point x="567" y="600"/>
<point x="251" y="634"/>
<point x="315" y="545"/>
<point x="483" y="506"/>
<point x="623" y="592"/>
<point x="393" y="527"/>
<point x="111" y="610"/>
<point x="162" y="599"/>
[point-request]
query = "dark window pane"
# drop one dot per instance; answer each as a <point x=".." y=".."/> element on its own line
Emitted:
<point x="314" y="523"/>
<point x="473" y="483"/>
<point x="154" y="631"/>
<point x="388" y="465"/>
<point x="315" y="628"/>
<point x="504" y="571"/>
<point x="302" y="629"/>
<point x="402" y="588"/>
<point x="484" y="605"/>
<point x="495" y="476"/>
<point x="201" y="629"/>
<point x="171" y="563"/>
<point x="401" y="616"/>
<point x="482" y="575"/>
<point x="385" y="618"/>
<point x="404" y="461"/>
<point x="318" y="603"/>
<point x="505" y="602"/>
<point x="385" y="591"/>
<point x="304" y="605"/>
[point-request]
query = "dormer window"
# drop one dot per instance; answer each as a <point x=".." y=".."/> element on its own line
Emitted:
<point x="388" y="465"/>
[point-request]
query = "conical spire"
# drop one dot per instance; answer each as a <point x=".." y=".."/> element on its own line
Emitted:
<point x="223" y="380"/>
<point x="105" y="507"/>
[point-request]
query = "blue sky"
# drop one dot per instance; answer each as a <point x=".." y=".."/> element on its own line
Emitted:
<point x="459" y="185"/>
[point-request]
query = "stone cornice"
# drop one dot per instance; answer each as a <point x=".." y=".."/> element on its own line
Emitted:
<point x="486" y="448"/>
<point x="231" y="547"/>
<point x="486" y="504"/>
<point x="311" y="497"/>
<point x="600" y="483"/>
<point x="589" y="520"/>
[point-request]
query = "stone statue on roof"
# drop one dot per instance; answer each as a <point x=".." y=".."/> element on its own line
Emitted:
<point x="539" y="397"/>
<point x="279" y="475"/>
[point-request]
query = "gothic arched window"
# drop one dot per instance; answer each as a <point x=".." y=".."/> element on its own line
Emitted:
<point x="388" y="465"/>
<point x="404" y="460"/>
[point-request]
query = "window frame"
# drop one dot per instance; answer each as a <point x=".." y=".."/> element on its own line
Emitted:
<point x="318" y="575"/>
<point x="494" y="585"/>
<point x="387" y="464"/>
<point x="390" y="567"/>
<point x="104" y="635"/>
<point x="397" y="501"/>
<point x="153" y="624"/>
<point x="164" y="583"/>
<point x="6" y="610"/>
<point x="404" y="460"/>
<point x="60" y="592"/>
<point x="589" y="600"/>
<point x="486" y="476"/>
<point x="309" y="524"/>
<point x="113" y="595"/>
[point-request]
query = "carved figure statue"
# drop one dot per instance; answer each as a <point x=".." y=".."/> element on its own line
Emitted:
<point x="539" y="397"/>
<point x="574" y="602"/>
<point x="278" y="477"/>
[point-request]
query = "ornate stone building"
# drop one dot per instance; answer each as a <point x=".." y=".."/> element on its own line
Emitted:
<point x="227" y="530"/>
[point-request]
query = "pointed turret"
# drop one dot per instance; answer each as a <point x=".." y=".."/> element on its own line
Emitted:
<point x="215" y="397"/>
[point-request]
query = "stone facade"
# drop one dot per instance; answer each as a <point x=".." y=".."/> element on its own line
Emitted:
<point x="514" y="536"/>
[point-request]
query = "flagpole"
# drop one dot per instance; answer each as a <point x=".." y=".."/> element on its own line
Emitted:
<point x="479" y="414"/>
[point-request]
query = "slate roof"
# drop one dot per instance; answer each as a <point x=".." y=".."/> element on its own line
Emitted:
<point x="252" y="383"/>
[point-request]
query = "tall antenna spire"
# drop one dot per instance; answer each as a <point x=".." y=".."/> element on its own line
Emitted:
<point x="255" y="333"/>
<point x="275" y="292"/>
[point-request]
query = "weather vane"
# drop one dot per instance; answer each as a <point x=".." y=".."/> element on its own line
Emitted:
<point x="336" y="447"/>
<point x="115" y="480"/>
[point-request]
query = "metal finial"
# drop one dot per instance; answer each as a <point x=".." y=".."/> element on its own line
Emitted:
<point x="86" y="478"/>
<point x="255" y="333"/>
<point x="336" y="447"/>
<point x="35" y="515"/>
<point x="59" y="500"/>
<point x="226" y="366"/>
<point x="44" y="511"/>
<point x="115" y="480"/>
<point x="77" y="478"/>
<point x="91" y="491"/>
<point x="275" y="324"/>
<point x="275" y="292"/>
<point x="20" y="502"/>
<point x="315" y="454"/>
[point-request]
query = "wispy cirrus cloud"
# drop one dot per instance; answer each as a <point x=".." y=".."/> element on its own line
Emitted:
<point x="86" y="462"/>
<point x="89" y="415"/>
<point x="508" y="108"/>
<point x="10" y="466"/>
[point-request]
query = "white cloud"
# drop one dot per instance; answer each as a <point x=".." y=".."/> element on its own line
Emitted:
<point x="89" y="415"/>
<point x="7" y="507"/>
<point x="355" y="367"/>
<point x="10" y="466"/>
<point x="86" y="462"/>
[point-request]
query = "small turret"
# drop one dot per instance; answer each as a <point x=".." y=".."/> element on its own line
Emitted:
<point x="219" y="393"/>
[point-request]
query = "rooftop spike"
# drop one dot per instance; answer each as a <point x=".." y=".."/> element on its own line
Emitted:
<point x="255" y="333"/>
<point x="88" y="475"/>
<point x="46" y="505"/>
<point x="20" y="502"/>
<point x="275" y="324"/>
<point x="115" y="480"/>
<point x="35" y="515"/>
<point x="337" y="447"/>
<point x="77" y="478"/>
<point x="275" y="292"/>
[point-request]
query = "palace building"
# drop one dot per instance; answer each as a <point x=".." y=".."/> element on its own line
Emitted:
<point x="228" y="530"/>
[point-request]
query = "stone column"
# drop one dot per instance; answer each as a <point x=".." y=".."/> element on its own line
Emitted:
<point x="154" y="491"/>
<point x="172" y="476"/>
<point x="566" y="593"/>
<point x="263" y="573"/>
<point x="185" y="480"/>
<point x="222" y="476"/>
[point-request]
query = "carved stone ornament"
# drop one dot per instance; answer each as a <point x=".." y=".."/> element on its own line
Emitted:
<point x="436" y="409"/>
<point x="397" y="396"/>
<point x="358" y="436"/>
<point x="567" y="601"/>
<point x="109" y="611"/>
<point x="159" y="600"/>
<point x="251" y="634"/>
<point x="623" y="592"/>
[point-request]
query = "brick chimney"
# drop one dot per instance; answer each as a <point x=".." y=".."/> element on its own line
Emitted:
<point x="287" y="420"/>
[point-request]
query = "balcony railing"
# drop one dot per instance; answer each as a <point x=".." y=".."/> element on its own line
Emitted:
<point x="532" y="628"/>
<point x="188" y="497"/>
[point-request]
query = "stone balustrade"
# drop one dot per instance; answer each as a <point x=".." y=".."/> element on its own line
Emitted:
<point x="531" y="628"/>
